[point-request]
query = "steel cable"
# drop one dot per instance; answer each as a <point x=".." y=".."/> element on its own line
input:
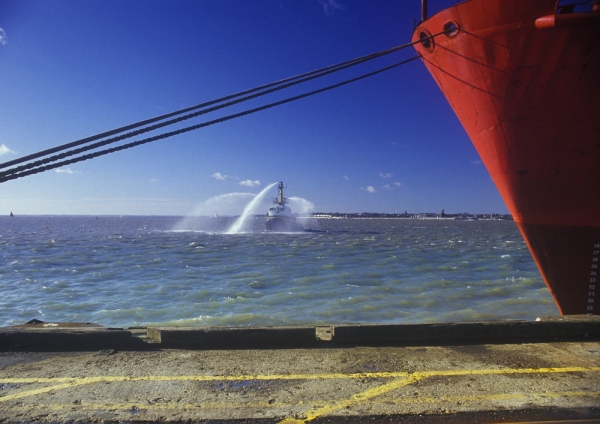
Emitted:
<point x="46" y="164"/>
<point x="267" y="89"/>
<point x="313" y="75"/>
<point x="188" y="109"/>
<point x="195" y="127"/>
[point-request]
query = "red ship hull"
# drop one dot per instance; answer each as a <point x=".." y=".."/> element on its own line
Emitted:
<point x="525" y="84"/>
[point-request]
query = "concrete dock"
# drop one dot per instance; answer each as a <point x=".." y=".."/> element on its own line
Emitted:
<point x="510" y="371"/>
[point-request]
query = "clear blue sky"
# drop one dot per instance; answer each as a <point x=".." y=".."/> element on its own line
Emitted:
<point x="72" y="68"/>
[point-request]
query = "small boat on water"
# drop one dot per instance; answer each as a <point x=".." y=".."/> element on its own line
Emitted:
<point x="280" y="216"/>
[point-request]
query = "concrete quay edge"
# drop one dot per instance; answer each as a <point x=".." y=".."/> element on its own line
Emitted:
<point x="63" y="337"/>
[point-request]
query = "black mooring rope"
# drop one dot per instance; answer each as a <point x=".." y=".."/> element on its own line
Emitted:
<point x="281" y="84"/>
<point x="168" y="115"/>
<point x="37" y="166"/>
<point x="311" y="75"/>
<point x="195" y="127"/>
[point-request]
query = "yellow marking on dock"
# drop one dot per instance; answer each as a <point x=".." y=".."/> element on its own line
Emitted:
<point x="166" y="406"/>
<point x="339" y="404"/>
<point x="117" y="378"/>
<point x="248" y="377"/>
<point x="68" y="385"/>
<point x="359" y="397"/>
<point x="494" y="396"/>
<point x="317" y="409"/>
<point x="230" y="404"/>
<point x="502" y="371"/>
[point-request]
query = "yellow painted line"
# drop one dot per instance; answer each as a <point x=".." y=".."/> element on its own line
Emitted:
<point x="230" y="404"/>
<point x="41" y="390"/>
<point x="445" y="373"/>
<point x="400" y="379"/>
<point x="359" y="397"/>
<point x="402" y="374"/>
<point x="227" y="404"/>
<point x="493" y="396"/>
<point x="316" y="413"/>
<point x="69" y="382"/>
<point x="16" y="380"/>
<point x="109" y="378"/>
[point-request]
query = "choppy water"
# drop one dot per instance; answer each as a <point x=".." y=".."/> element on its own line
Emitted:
<point x="126" y="271"/>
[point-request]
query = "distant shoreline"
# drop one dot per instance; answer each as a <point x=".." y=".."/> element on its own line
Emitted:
<point x="369" y="215"/>
<point x="410" y="218"/>
<point x="364" y="215"/>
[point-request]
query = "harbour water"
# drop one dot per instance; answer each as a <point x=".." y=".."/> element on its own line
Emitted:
<point x="138" y="271"/>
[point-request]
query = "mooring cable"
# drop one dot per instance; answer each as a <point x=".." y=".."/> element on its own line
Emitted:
<point x="267" y="88"/>
<point x="37" y="166"/>
<point x="197" y="126"/>
<point x="313" y="75"/>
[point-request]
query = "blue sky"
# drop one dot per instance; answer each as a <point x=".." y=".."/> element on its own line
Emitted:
<point x="70" y="69"/>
